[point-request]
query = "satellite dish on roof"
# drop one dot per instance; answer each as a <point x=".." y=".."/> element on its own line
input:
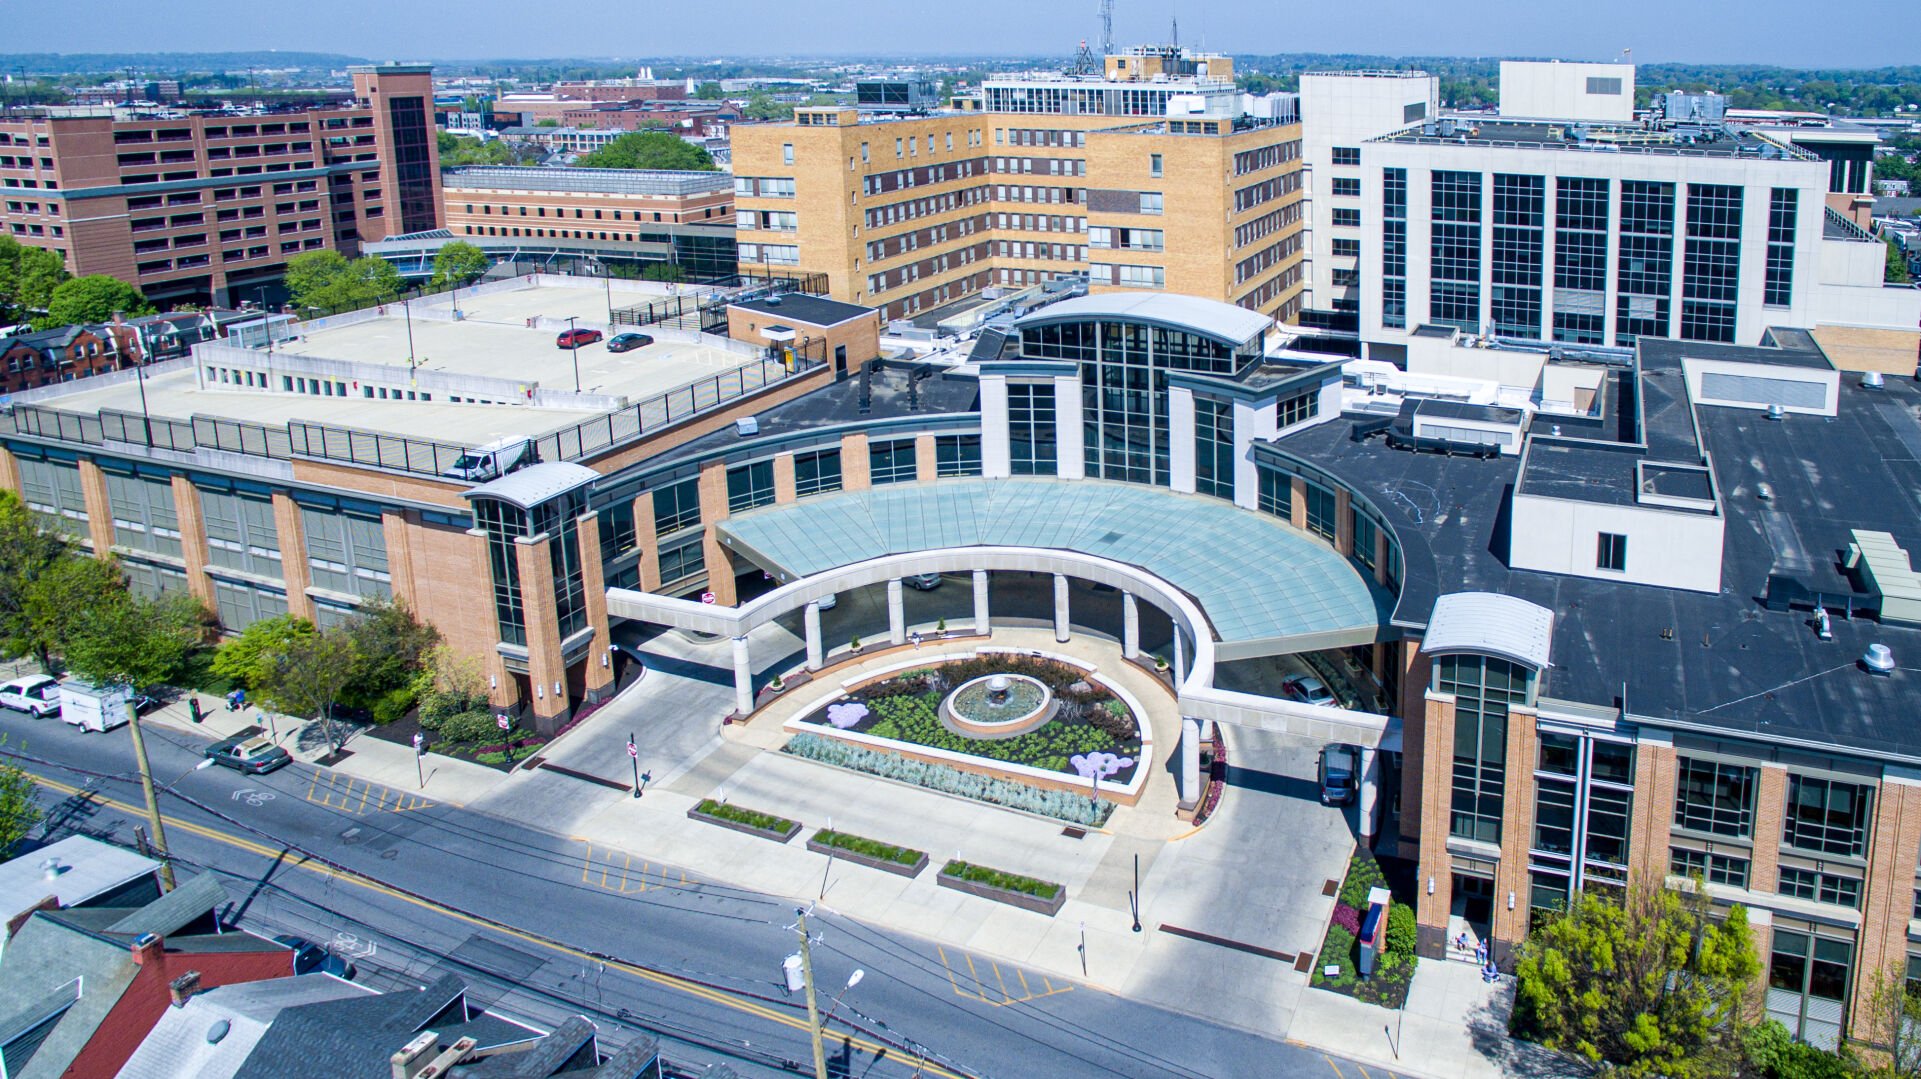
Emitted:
<point x="218" y="1031"/>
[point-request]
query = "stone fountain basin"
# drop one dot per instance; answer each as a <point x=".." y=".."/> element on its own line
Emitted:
<point x="1008" y="726"/>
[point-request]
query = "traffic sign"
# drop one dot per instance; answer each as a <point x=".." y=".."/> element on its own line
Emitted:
<point x="501" y="720"/>
<point x="707" y="597"/>
<point x="420" y="740"/>
<point x="633" y="750"/>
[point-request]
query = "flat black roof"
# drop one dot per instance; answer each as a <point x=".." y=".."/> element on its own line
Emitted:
<point x="1719" y="662"/>
<point x="1592" y="136"/>
<point x="800" y="307"/>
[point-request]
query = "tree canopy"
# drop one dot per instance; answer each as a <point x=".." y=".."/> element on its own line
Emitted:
<point x="649" y="150"/>
<point x="326" y="280"/>
<point x="28" y="276"/>
<point x="458" y="150"/>
<point x="1651" y="987"/>
<point x="457" y="263"/>
<point x="93" y="298"/>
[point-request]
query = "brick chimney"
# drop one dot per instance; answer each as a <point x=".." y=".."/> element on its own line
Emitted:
<point x="414" y="1056"/>
<point x="147" y="948"/>
<point x="184" y="987"/>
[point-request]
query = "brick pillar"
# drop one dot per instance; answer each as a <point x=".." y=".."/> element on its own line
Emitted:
<point x="544" y="668"/>
<point x="1888" y="901"/>
<point x="1380" y="557"/>
<point x="593" y="583"/>
<point x="926" y="458"/>
<point x="193" y="539"/>
<point x="1435" y="882"/>
<point x="1412" y="708"/>
<point x="784" y="479"/>
<point x="1770" y="814"/>
<point x="395" y="530"/>
<point x="855" y="471"/>
<point x="1297" y="503"/>
<point x="93" y="488"/>
<point x="293" y="555"/>
<point x="1517" y="832"/>
<point x="1343" y="522"/>
<point x="649" y="541"/>
<point x="713" y="510"/>
<point x="9" y="471"/>
<point x="1653" y="817"/>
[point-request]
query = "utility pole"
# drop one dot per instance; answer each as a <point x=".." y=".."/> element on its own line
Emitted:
<point x="807" y="976"/>
<point x="160" y="832"/>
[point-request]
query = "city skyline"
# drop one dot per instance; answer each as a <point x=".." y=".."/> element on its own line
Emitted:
<point x="1000" y="27"/>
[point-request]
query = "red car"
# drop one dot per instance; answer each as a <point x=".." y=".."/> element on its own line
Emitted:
<point x="576" y="338"/>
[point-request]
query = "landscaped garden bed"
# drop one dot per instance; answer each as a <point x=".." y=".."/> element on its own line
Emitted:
<point x="901" y="861"/>
<point x="1073" y="807"/>
<point x="1089" y="733"/>
<point x="740" y="819"/>
<point x="1393" y="964"/>
<point x="1027" y="893"/>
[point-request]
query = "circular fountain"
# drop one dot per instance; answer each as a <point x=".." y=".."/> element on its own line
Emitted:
<point x="997" y="706"/>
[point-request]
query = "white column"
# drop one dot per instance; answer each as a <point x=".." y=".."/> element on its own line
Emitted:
<point x="1190" y="763"/>
<point x="981" y="623"/>
<point x="996" y="449"/>
<point x="1370" y="791"/>
<point x="1069" y="430"/>
<point x="1130" y="626"/>
<point x="743" y="678"/>
<point x="1060" y="607"/>
<point x="1255" y="421"/>
<point x="896" y="613"/>
<point x="810" y="618"/>
<point x="1180" y="656"/>
<point x="1180" y="439"/>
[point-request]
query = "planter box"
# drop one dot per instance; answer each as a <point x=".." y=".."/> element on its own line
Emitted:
<point x="868" y="860"/>
<point x="792" y="829"/>
<point x="1049" y="907"/>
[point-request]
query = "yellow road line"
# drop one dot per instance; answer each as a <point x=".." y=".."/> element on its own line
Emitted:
<point x="660" y="978"/>
<point x="1003" y="981"/>
<point x="1331" y="1064"/>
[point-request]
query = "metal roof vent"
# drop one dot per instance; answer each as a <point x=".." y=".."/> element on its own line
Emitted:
<point x="1775" y="413"/>
<point x="1879" y="660"/>
<point x="218" y="1031"/>
<point x="1555" y="430"/>
<point x="747" y="425"/>
<point x="772" y="301"/>
<point x="1871" y="381"/>
<point x="1764" y="492"/>
<point x="51" y="869"/>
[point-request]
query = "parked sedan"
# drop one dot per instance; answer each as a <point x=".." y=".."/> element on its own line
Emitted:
<point x="576" y="338"/>
<point x="926" y="582"/>
<point x="309" y="958"/>
<point x="36" y="694"/>
<point x="627" y="342"/>
<point x="254" y="755"/>
<point x="1309" y="690"/>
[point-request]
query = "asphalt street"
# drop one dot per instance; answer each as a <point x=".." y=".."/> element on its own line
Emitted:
<point x="544" y="926"/>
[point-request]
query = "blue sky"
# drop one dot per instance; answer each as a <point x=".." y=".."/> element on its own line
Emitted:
<point x="1787" y="32"/>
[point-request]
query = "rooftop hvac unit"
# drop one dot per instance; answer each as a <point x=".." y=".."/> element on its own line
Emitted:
<point x="1775" y="412"/>
<point x="1871" y="381"/>
<point x="1879" y="660"/>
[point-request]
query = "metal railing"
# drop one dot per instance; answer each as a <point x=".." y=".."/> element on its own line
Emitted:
<point x="709" y="307"/>
<point x="604" y="433"/>
<point x="395" y="452"/>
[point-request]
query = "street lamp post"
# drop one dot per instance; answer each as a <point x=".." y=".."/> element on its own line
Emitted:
<point x="573" y="348"/>
<point x="633" y="754"/>
<point x="407" y="312"/>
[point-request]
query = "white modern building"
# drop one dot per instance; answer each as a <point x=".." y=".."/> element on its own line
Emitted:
<point x="1341" y="110"/>
<point x="1599" y="234"/>
<point x="1567" y="91"/>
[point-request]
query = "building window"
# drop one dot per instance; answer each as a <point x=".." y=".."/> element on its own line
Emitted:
<point x="676" y="506"/>
<point x="1030" y="429"/>
<point x="1644" y="279"/>
<point x="1580" y="260"/>
<point x="1213" y="447"/>
<point x="1321" y="518"/>
<point x="1393" y="248"/>
<point x="1347" y="186"/>
<point x="750" y="485"/>
<point x="1711" y="266"/>
<point x="1520" y="207"/>
<point x="618" y="535"/>
<point x="1276" y="493"/>
<point x="1347" y="155"/>
<point x="1611" y="552"/>
<point x="1347" y="248"/>
<point x="1604" y="87"/>
<point x="816" y="473"/>
<point x="1297" y="409"/>
<point x="892" y="462"/>
<point x="1347" y="217"/>
<point x="786" y="153"/>
<point x="1454" y="289"/>
<point x="1483" y="689"/>
<point x="1827" y="816"/>
<point x="1154" y="165"/>
<point x="957" y="455"/>
<point x="1783" y="209"/>
<point x="1820" y="887"/>
<point x="1151" y="202"/>
<point x="503" y="523"/>
<point x="1713" y="868"/>
<point x="680" y="563"/>
<point x="1714" y="798"/>
<point x="1808" y="985"/>
<point x="241" y="532"/>
<point x="346" y="550"/>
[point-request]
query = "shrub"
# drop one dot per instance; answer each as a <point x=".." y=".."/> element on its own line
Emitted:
<point x="752" y="818"/>
<point x="915" y="717"/>
<point x="1339" y="949"/>
<point x="1070" y="806"/>
<point x="872" y="848"/>
<point x="995" y="878"/>
<point x="1362" y="876"/>
<point x="497" y="756"/>
<point x="477" y="726"/>
<point x="1347" y="918"/>
<point x="244" y="660"/>
<point x="393" y="704"/>
<point x="1403" y="936"/>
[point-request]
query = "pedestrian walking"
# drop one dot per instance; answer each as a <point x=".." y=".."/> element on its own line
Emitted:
<point x="916" y="638"/>
<point x="193" y="707"/>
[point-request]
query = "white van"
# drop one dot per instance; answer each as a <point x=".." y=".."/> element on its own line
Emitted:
<point x="492" y="461"/>
<point x="95" y="708"/>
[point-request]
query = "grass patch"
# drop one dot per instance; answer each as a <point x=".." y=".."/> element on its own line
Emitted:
<point x="996" y="878"/>
<point x="872" y="848"/>
<point x="752" y="818"/>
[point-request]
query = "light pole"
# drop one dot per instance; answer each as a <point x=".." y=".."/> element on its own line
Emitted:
<point x="407" y="312"/>
<point x="633" y="754"/>
<point x="140" y="375"/>
<point x="573" y="347"/>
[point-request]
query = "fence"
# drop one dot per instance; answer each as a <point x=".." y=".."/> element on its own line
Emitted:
<point x="709" y="308"/>
<point x="607" y="432"/>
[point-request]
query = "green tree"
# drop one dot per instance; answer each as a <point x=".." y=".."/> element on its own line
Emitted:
<point x="663" y="271"/>
<point x="28" y="551"/>
<point x="1892" y="1020"/>
<point x="649" y="150"/>
<point x="709" y="91"/>
<point x="1897" y="271"/>
<point x="391" y="648"/>
<point x="18" y="811"/>
<point x="247" y="660"/>
<point x="1772" y="1053"/>
<point x="93" y="298"/>
<point x="306" y="677"/>
<point x="28" y="276"/>
<point x="326" y="280"/>
<point x="457" y="263"/>
<point x="62" y="600"/>
<point x="762" y="106"/>
<point x="456" y="150"/>
<point x="128" y="640"/>
<point x="1650" y="987"/>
